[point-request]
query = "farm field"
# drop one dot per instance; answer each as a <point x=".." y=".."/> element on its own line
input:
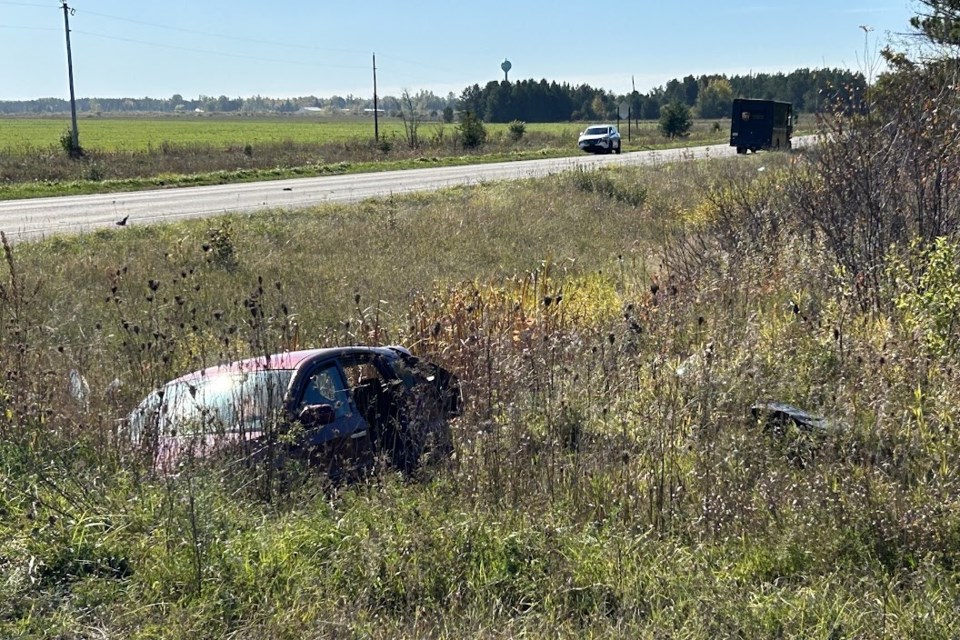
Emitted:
<point x="113" y="134"/>
<point x="142" y="133"/>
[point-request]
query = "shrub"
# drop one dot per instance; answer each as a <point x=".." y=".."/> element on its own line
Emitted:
<point x="66" y="141"/>
<point x="929" y="297"/>
<point x="472" y="132"/>
<point x="517" y="129"/>
<point x="675" y="120"/>
<point x="94" y="172"/>
<point x="602" y="184"/>
<point x="883" y="181"/>
<point x="220" y="247"/>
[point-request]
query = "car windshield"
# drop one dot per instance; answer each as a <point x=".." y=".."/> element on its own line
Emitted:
<point x="596" y="131"/>
<point x="221" y="403"/>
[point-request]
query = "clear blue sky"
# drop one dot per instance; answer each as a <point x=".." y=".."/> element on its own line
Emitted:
<point x="282" y="48"/>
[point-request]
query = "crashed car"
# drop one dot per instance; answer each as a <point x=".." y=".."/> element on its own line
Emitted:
<point x="601" y="138"/>
<point x="799" y="434"/>
<point x="338" y="409"/>
<point x="778" y="417"/>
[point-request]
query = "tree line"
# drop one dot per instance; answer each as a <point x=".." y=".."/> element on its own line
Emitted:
<point x="709" y="96"/>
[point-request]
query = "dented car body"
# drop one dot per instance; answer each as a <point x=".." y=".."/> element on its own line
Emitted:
<point x="338" y="409"/>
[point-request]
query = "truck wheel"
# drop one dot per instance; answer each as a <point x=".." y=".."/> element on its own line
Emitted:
<point x="617" y="149"/>
<point x="741" y="151"/>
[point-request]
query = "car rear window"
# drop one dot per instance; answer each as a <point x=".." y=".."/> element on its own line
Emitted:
<point x="225" y="403"/>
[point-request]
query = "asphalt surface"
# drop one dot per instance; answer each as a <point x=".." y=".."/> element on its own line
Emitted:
<point x="32" y="219"/>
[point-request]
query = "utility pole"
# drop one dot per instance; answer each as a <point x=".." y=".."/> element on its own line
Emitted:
<point x="376" y="111"/>
<point x="74" y="134"/>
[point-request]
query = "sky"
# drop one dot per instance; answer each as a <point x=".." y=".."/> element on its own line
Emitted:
<point x="288" y="48"/>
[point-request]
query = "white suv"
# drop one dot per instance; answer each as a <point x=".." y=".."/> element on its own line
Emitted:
<point x="600" y="138"/>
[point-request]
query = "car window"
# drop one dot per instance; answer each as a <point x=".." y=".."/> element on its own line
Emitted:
<point x="595" y="131"/>
<point x="326" y="386"/>
<point x="221" y="403"/>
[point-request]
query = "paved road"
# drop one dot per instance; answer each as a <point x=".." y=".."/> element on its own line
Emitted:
<point x="43" y="217"/>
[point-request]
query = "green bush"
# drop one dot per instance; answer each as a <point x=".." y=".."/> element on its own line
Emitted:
<point x="471" y="130"/>
<point x="66" y="141"/>
<point x="675" y="120"/>
<point x="516" y="130"/>
<point x="929" y="296"/>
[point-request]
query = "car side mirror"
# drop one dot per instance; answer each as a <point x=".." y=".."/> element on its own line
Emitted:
<point x="316" y="415"/>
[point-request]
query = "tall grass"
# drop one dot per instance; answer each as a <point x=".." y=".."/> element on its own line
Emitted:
<point x="612" y="331"/>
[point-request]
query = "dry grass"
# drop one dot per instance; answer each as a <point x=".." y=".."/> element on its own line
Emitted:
<point x="612" y="330"/>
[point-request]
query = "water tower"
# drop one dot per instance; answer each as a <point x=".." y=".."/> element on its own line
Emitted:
<point x="506" y="66"/>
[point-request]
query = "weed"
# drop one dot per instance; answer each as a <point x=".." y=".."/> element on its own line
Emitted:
<point x="516" y="130"/>
<point x="220" y="247"/>
<point x="608" y="477"/>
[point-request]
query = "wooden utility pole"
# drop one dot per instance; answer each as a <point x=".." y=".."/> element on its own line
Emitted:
<point x="74" y="134"/>
<point x="376" y="110"/>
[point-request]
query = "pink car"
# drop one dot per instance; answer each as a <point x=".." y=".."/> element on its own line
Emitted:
<point x="338" y="408"/>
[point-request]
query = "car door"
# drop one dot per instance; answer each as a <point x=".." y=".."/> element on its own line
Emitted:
<point x="333" y="433"/>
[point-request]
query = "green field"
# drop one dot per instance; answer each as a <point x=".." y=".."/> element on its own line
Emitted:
<point x="139" y="134"/>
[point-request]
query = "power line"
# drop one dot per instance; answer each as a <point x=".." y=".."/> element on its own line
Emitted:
<point x="208" y="34"/>
<point x="215" y="53"/>
<point x="25" y="28"/>
<point x="26" y="4"/>
<point x="418" y="64"/>
<point x="273" y="43"/>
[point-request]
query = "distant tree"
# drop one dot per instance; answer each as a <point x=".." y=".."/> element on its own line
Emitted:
<point x="675" y="119"/>
<point x="471" y="130"/>
<point x="499" y="107"/>
<point x="691" y="91"/>
<point x="389" y="104"/>
<point x="716" y="99"/>
<point x="411" y="119"/>
<point x="448" y="114"/>
<point x="472" y="99"/>
<point x="636" y="105"/>
<point x="599" y="107"/>
<point x="651" y="106"/>
<point x="673" y="92"/>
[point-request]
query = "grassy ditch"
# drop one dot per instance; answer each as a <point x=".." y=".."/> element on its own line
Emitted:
<point x="612" y="328"/>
